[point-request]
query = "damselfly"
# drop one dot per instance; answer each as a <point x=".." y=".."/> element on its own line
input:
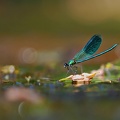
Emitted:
<point x="88" y="51"/>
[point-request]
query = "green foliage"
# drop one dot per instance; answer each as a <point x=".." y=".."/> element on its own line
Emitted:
<point x="51" y="17"/>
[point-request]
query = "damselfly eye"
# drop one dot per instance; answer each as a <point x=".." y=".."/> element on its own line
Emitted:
<point x="66" y="65"/>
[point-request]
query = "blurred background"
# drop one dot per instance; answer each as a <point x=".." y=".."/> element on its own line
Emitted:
<point x="52" y="31"/>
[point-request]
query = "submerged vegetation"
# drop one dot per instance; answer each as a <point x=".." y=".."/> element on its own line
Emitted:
<point x="45" y="93"/>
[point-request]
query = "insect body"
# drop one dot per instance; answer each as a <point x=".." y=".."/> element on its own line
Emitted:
<point x="88" y="51"/>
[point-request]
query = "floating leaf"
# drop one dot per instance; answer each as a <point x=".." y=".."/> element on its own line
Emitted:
<point x="84" y="77"/>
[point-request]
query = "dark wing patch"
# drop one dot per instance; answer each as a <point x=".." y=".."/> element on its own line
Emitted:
<point x="93" y="44"/>
<point x="90" y="48"/>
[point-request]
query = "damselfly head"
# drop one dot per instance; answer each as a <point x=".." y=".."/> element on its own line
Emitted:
<point x="66" y="65"/>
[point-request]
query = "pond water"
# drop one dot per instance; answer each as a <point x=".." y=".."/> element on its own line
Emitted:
<point x="34" y="93"/>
